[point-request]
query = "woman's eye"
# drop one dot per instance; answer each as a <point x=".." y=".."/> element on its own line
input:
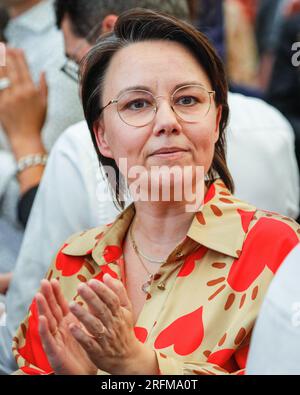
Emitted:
<point x="137" y="105"/>
<point x="187" y="101"/>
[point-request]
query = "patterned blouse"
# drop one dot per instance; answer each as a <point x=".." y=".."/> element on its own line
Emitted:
<point x="202" y="303"/>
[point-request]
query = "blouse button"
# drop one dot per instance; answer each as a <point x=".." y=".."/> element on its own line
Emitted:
<point x="179" y="255"/>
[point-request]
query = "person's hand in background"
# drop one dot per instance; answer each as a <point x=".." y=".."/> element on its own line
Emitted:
<point x="5" y="280"/>
<point x="23" y="111"/>
<point x="23" y="105"/>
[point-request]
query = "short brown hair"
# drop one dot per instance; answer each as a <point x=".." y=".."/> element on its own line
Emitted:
<point x="140" y="25"/>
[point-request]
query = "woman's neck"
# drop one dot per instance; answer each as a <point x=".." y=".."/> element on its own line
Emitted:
<point x="161" y="224"/>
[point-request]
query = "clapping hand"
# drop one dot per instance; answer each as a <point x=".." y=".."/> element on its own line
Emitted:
<point x="64" y="353"/>
<point x="81" y="340"/>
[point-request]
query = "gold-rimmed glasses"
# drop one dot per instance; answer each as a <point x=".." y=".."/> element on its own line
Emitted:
<point x="138" y="107"/>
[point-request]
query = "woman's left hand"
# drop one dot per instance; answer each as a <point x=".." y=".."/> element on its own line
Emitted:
<point x="109" y="339"/>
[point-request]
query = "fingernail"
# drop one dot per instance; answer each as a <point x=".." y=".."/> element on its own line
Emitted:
<point x="73" y="305"/>
<point x="93" y="282"/>
<point x="107" y="276"/>
<point x="81" y="287"/>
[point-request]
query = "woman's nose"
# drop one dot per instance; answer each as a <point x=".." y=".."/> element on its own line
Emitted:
<point x="166" y="120"/>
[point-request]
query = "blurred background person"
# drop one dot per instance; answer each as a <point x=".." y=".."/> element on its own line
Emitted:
<point x="3" y="22"/>
<point x="36" y="105"/>
<point x="229" y="24"/>
<point x="283" y="90"/>
<point x="208" y="17"/>
<point x="267" y="28"/>
<point x="242" y="55"/>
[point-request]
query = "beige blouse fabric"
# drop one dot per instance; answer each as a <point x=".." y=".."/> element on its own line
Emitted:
<point x="202" y="303"/>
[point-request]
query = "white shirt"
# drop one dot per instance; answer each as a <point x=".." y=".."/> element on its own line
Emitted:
<point x="68" y="200"/>
<point x="275" y="343"/>
<point x="261" y="156"/>
<point x="36" y="33"/>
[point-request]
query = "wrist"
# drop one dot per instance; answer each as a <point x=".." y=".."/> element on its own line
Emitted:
<point x="30" y="170"/>
<point x="142" y="362"/>
<point x="27" y="146"/>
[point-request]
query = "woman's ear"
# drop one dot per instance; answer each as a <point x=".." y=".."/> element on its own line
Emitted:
<point x="101" y="139"/>
<point x="218" y="120"/>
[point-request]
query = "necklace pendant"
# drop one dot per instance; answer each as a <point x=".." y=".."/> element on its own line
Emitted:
<point x="145" y="287"/>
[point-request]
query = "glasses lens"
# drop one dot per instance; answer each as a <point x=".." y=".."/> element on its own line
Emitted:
<point x="136" y="108"/>
<point x="71" y="69"/>
<point x="191" y="103"/>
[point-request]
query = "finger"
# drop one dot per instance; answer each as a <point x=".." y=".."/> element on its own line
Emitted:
<point x="47" y="291"/>
<point x="43" y="86"/>
<point x="3" y="69"/>
<point x="88" y="343"/>
<point x="22" y="67"/>
<point x="48" y="341"/>
<point x="96" y="306"/>
<point x="119" y="289"/>
<point x="43" y="310"/>
<point x="12" y="68"/>
<point x="107" y="295"/>
<point x="61" y="301"/>
<point x="93" y="325"/>
<point x="3" y="74"/>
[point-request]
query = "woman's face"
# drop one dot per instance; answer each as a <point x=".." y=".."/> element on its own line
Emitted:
<point x="159" y="67"/>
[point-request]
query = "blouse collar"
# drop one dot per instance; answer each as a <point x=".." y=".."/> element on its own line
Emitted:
<point x="220" y="225"/>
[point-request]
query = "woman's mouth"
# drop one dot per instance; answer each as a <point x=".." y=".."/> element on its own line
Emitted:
<point x="169" y="152"/>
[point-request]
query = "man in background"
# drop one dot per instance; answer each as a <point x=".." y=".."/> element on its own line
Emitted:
<point x="284" y="88"/>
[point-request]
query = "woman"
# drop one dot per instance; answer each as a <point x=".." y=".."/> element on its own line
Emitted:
<point x="162" y="289"/>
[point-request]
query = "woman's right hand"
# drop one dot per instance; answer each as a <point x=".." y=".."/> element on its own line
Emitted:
<point x="64" y="353"/>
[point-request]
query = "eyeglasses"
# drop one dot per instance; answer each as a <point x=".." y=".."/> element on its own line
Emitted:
<point x="71" y="67"/>
<point x="191" y="103"/>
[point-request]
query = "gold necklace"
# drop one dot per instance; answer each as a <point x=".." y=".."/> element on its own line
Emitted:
<point x="145" y="286"/>
<point x="139" y="252"/>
